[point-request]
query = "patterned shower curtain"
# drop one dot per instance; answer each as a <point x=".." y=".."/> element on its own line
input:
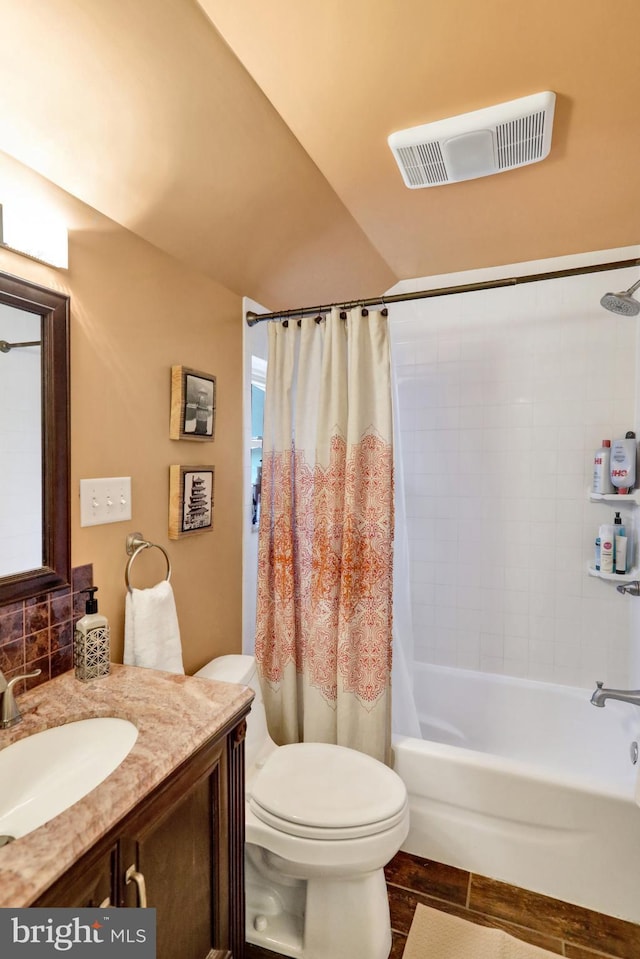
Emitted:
<point x="324" y="604"/>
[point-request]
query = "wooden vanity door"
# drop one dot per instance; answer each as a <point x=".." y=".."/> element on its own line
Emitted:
<point x="172" y="854"/>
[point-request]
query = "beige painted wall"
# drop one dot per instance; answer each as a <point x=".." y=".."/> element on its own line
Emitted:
<point x="134" y="312"/>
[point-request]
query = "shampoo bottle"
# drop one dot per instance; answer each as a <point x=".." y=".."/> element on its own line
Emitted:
<point x="601" y="482"/>
<point x="91" y="650"/>
<point x="623" y="463"/>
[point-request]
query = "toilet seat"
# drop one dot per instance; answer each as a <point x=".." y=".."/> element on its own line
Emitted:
<point x="323" y="791"/>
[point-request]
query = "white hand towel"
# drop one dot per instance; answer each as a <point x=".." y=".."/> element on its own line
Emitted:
<point x="151" y="630"/>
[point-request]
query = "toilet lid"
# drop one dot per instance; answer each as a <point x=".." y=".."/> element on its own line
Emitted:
<point x="329" y="787"/>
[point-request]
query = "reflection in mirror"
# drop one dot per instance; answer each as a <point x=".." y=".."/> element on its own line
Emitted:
<point x="34" y="440"/>
<point x="258" y="385"/>
<point x="20" y="441"/>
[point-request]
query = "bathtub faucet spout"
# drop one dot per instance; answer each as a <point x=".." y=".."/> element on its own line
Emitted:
<point x="600" y="695"/>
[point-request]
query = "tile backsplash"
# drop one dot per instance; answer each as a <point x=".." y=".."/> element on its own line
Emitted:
<point x="37" y="633"/>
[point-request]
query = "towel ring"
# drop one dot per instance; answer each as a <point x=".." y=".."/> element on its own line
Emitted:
<point x="136" y="545"/>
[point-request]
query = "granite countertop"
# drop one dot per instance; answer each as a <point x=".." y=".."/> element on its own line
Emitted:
<point x="174" y="715"/>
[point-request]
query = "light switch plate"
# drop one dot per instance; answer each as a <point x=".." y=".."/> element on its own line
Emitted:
<point x="105" y="500"/>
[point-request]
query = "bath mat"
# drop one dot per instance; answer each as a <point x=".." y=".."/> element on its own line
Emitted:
<point x="437" y="935"/>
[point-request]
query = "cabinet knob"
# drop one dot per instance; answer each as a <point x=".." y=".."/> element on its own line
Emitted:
<point x="240" y="732"/>
<point x="132" y="875"/>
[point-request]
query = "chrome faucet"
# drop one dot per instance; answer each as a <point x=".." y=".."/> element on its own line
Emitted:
<point x="9" y="712"/>
<point x="600" y="695"/>
<point x="633" y="589"/>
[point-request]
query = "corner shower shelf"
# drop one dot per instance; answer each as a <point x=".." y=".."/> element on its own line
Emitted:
<point x="628" y="577"/>
<point x="625" y="498"/>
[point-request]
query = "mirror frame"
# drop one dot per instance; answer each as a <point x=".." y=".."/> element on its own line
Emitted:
<point x="55" y="571"/>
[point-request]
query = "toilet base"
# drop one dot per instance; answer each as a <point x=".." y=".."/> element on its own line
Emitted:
<point x="347" y="918"/>
<point x="329" y="918"/>
<point x="275" y="916"/>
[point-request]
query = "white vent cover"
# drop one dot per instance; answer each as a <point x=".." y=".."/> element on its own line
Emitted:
<point x="476" y="144"/>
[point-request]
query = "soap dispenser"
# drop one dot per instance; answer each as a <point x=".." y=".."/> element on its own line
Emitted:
<point x="91" y="649"/>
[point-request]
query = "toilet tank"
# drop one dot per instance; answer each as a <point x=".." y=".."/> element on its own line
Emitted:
<point x="237" y="668"/>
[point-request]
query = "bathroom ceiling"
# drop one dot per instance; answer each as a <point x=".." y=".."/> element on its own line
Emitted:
<point x="249" y="139"/>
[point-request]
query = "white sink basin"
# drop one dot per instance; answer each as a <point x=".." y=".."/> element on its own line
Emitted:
<point x="43" y="774"/>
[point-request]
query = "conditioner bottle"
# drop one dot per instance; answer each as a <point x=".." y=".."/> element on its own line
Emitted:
<point x="621" y="547"/>
<point x="623" y="463"/>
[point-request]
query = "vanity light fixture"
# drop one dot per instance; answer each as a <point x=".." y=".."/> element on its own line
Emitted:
<point x="34" y="231"/>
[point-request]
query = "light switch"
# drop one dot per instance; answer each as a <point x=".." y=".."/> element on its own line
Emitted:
<point x="105" y="500"/>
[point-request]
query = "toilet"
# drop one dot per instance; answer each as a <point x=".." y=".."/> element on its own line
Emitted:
<point x="322" y="821"/>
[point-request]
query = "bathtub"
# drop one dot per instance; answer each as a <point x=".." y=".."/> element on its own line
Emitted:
<point x="528" y="783"/>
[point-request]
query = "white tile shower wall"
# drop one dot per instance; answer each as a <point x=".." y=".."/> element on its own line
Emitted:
<point x="503" y="396"/>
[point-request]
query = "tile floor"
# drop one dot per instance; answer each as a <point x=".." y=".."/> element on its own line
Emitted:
<point x="560" y="928"/>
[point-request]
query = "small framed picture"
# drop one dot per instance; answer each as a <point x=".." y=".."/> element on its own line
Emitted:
<point x="190" y="500"/>
<point x="193" y="404"/>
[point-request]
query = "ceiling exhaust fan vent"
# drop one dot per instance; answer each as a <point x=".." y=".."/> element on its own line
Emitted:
<point x="476" y="144"/>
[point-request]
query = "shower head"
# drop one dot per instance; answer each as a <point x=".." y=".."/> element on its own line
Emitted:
<point x="622" y="303"/>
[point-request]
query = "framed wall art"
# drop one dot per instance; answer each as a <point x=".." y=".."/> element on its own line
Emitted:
<point x="193" y="404"/>
<point x="190" y="500"/>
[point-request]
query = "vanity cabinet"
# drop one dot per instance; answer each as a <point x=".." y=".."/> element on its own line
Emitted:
<point x="180" y="851"/>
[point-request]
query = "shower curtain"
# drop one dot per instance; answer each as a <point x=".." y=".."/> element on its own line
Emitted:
<point x="324" y="597"/>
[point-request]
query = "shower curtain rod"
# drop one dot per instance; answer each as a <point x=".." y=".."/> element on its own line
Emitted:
<point x="6" y="347"/>
<point x="253" y="318"/>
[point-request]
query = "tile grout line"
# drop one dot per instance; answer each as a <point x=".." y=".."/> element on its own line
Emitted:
<point x="427" y="895"/>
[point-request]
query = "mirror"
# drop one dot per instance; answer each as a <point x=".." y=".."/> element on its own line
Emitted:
<point x="34" y="440"/>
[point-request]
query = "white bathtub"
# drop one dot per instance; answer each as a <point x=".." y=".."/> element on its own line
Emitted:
<point x="528" y="783"/>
